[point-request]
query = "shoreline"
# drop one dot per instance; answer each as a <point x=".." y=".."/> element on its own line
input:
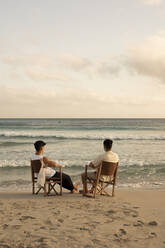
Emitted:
<point x="130" y="219"/>
<point x="4" y="190"/>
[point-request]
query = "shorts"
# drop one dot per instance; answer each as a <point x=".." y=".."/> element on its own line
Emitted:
<point x="93" y="175"/>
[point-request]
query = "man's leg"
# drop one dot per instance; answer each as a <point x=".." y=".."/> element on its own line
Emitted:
<point x="66" y="181"/>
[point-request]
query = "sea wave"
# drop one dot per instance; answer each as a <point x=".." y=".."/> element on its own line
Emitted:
<point x="82" y="128"/>
<point x="14" y="182"/>
<point x="125" y="168"/>
<point x="10" y="143"/>
<point x="84" y="124"/>
<point x="24" y="135"/>
<point x="7" y="165"/>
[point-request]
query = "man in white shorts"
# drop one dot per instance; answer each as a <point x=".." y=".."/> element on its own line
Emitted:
<point x="107" y="156"/>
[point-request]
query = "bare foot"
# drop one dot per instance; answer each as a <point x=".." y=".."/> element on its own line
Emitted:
<point x="74" y="191"/>
<point x="76" y="187"/>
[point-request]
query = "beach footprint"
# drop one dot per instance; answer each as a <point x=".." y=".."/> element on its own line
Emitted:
<point x="16" y="227"/>
<point x="26" y="217"/>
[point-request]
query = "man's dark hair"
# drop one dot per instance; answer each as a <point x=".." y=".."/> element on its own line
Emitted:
<point x="38" y="145"/>
<point x="108" y="144"/>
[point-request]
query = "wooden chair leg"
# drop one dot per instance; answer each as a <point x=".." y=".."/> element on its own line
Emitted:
<point x="38" y="190"/>
<point x="95" y="190"/>
<point x="85" y="183"/>
<point x="101" y="188"/>
<point x="45" y="193"/>
<point x="33" y="189"/>
<point x="53" y="188"/>
<point x="94" y="194"/>
<point x="85" y="186"/>
<point x="49" y="189"/>
<point x="61" y="188"/>
<point x="60" y="180"/>
<point x="103" y="191"/>
<point x="113" y="190"/>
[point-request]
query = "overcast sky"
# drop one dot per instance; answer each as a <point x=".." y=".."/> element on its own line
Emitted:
<point x="82" y="58"/>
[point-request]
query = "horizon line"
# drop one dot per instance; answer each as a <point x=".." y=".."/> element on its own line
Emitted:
<point x="37" y="118"/>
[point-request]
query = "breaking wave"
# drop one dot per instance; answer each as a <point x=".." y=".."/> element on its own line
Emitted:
<point x="74" y="137"/>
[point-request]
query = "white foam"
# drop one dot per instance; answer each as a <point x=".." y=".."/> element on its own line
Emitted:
<point x="84" y="135"/>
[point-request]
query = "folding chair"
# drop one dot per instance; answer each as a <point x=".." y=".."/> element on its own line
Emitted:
<point x="49" y="183"/>
<point x="99" y="184"/>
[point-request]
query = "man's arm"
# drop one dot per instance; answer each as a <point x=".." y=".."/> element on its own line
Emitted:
<point x="50" y="163"/>
<point x="92" y="165"/>
<point x="96" y="163"/>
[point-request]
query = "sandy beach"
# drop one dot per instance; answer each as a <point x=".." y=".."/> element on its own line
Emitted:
<point x="130" y="219"/>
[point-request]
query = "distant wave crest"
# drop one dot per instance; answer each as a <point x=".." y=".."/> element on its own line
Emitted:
<point x="75" y="137"/>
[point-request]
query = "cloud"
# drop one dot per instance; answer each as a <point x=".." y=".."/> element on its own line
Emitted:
<point x="93" y="67"/>
<point x="35" y="67"/>
<point x="148" y="57"/>
<point x="75" y="62"/>
<point x="43" y="75"/>
<point x="105" y="68"/>
<point x="152" y="2"/>
<point x="33" y="60"/>
<point x="42" y="67"/>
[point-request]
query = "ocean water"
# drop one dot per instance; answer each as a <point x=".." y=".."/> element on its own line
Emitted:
<point x="140" y="144"/>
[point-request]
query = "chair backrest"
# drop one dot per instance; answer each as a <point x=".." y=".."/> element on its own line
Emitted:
<point x="108" y="168"/>
<point x="35" y="168"/>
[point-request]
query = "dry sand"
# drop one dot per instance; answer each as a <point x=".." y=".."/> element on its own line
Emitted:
<point x="130" y="219"/>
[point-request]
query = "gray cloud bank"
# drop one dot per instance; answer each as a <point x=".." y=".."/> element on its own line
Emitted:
<point x="148" y="58"/>
<point x="99" y="67"/>
<point x="40" y="68"/>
